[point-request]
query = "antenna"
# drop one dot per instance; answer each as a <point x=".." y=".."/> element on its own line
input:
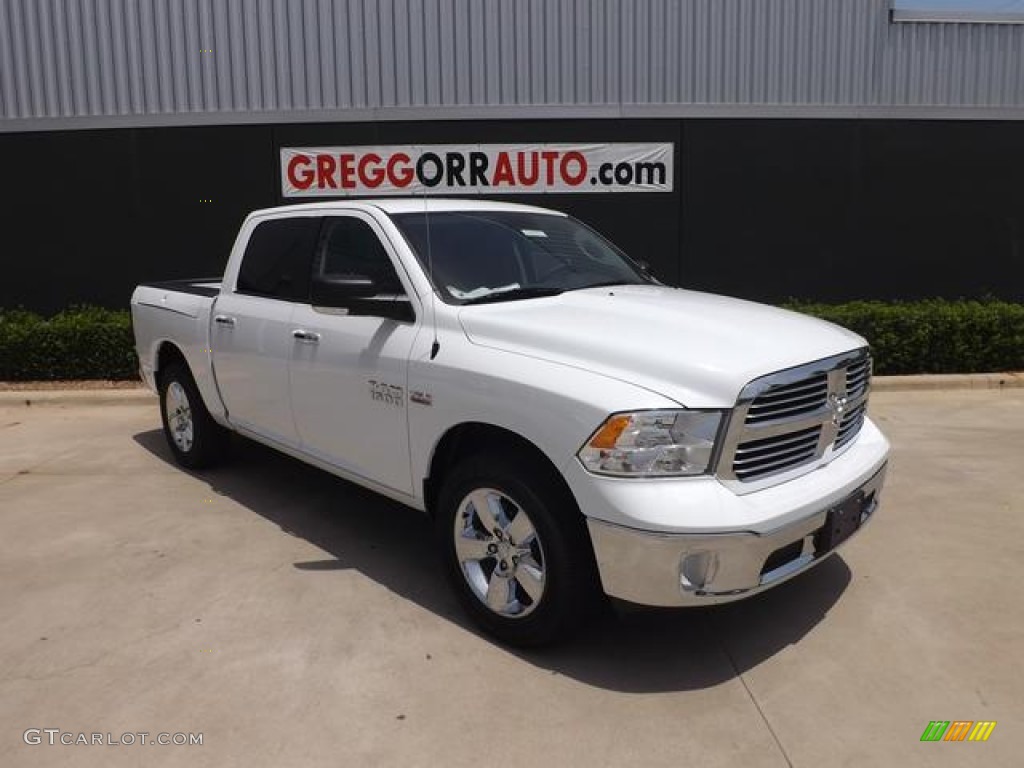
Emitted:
<point x="436" y="346"/>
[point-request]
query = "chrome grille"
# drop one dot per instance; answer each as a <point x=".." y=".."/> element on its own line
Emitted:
<point x="792" y="419"/>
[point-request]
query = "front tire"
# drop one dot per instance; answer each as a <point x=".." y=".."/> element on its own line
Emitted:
<point x="516" y="550"/>
<point x="195" y="439"/>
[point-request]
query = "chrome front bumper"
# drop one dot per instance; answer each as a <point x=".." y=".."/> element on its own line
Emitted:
<point x="667" y="569"/>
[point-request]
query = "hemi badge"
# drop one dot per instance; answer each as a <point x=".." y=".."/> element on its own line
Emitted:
<point x="421" y="397"/>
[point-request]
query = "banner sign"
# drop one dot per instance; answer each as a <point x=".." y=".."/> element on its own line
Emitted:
<point x="476" y="169"/>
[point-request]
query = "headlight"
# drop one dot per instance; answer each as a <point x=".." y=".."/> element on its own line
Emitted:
<point x="653" y="444"/>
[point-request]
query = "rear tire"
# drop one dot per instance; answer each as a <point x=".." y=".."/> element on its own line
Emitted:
<point x="516" y="550"/>
<point x="195" y="439"/>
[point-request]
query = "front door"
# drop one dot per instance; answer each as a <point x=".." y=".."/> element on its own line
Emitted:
<point x="349" y="368"/>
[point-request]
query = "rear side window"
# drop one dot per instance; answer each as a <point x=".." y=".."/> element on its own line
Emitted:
<point x="278" y="258"/>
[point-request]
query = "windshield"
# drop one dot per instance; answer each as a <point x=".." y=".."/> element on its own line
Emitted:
<point x="485" y="256"/>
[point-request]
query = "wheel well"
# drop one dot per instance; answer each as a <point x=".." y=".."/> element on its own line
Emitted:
<point x="474" y="438"/>
<point x="166" y="354"/>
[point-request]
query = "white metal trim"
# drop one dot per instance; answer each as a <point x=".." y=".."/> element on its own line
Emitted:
<point x="541" y="112"/>
<point x="943" y="16"/>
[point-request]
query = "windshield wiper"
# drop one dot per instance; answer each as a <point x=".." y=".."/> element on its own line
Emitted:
<point x="514" y="294"/>
<point x="606" y="284"/>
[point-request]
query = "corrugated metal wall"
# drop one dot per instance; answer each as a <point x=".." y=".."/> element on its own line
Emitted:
<point x="83" y="63"/>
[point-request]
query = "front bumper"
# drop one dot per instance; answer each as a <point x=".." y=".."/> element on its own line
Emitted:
<point x="700" y="564"/>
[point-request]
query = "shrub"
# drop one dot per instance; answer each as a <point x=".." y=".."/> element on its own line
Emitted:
<point x="78" y="343"/>
<point x="933" y="336"/>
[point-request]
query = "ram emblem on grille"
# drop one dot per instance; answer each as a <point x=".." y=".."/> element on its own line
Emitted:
<point x="837" y="404"/>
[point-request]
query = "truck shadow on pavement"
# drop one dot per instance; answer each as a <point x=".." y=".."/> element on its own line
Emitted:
<point x="629" y="648"/>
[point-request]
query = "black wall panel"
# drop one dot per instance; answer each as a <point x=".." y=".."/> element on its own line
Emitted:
<point x="764" y="209"/>
<point x="88" y="214"/>
<point x="837" y="210"/>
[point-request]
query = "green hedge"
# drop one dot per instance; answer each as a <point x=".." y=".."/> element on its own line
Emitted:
<point x="935" y="336"/>
<point x="79" y="343"/>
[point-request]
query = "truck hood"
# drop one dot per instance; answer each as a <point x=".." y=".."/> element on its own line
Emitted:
<point x="695" y="348"/>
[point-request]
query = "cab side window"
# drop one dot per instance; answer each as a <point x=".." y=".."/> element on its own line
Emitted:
<point x="350" y="248"/>
<point x="277" y="258"/>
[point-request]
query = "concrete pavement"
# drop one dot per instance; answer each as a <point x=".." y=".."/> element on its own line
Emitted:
<point x="294" y="619"/>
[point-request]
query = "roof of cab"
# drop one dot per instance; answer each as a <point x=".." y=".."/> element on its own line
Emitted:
<point x="392" y="205"/>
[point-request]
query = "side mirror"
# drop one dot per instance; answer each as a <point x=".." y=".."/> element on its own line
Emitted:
<point x="644" y="267"/>
<point x="360" y="295"/>
<point x="340" y="290"/>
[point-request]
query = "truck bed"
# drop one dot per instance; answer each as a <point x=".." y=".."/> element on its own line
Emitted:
<point x="176" y="311"/>
<point x="200" y="286"/>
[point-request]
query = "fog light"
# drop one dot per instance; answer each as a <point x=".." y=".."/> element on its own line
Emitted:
<point x="698" y="569"/>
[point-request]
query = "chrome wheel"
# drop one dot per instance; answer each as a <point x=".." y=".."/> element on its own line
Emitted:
<point x="179" y="417"/>
<point x="500" y="553"/>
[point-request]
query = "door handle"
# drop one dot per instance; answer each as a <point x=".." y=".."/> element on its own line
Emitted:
<point x="224" y="320"/>
<point x="306" y="337"/>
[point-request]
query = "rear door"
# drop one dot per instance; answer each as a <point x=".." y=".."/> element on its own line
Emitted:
<point x="251" y="330"/>
<point x="349" y="369"/>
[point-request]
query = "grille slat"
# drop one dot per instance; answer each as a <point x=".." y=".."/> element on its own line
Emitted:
<point x="798" y="410"/>
<point x="799" y="402"/>
<point x="818" y="382"/>
<point x="774" y="442"/>
<point x="761" y="459"/>
<point x="789" y="400"/>
<point x="840" y="442"/>
<point x="858" y="375"/>
<point x="756" y="458"/>
<point x="850" y="416"/>
<point x="850" y="425"/>
<point x="809" y="396"/>
<point x="775" y="466"/>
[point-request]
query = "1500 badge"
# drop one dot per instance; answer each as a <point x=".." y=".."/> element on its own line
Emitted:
<point x="387" y="394"/>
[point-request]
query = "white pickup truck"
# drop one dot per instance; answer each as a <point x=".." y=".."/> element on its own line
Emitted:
<point x="571" y="425"/>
